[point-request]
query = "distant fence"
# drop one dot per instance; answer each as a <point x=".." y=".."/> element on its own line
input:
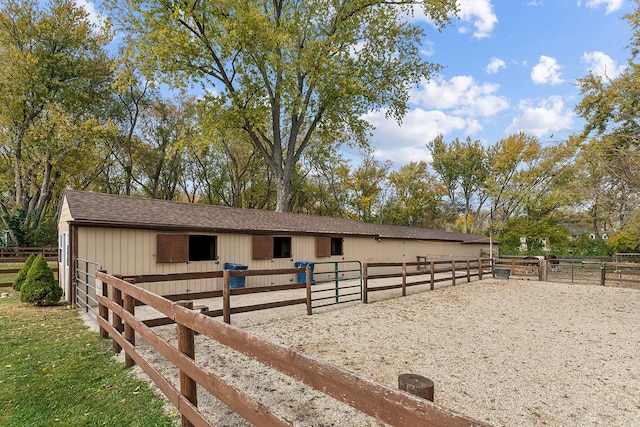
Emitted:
<point x="117" y="301"/>
<point x="527" y="268"/>
<point x="376" y="275"/>
<point x="10" y="256"/>
<point x="591" y="271"/>
<point x="19" y="254"/>
<point x="594" y="271"/>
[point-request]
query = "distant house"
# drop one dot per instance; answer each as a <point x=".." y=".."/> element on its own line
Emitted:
<point x="131" y="236"/>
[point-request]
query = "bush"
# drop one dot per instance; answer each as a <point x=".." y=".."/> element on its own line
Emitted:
<point x="22" y="274"/>
<point x="40" y="287"/>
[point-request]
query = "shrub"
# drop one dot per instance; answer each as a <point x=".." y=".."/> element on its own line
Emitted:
<point x="22" y="274"/>
<point x="40" y="287"/>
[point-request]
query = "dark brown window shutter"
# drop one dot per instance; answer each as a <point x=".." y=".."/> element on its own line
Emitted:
<point x="323" y="246"/>
<point x="262" y="247"/>
<point x="172" y="248"/>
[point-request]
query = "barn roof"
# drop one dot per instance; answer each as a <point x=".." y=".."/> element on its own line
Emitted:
<point x="89" y="208"/>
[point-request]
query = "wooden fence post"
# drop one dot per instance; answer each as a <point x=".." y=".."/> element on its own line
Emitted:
<point x="308" y="283"/>
<point x="129" y="332"/>
<point x="117" y="320"/>
<point x="480" y="268"/>
<point x="432" y="271"/>
<point x="468" y="271"/>
<point x="103" y="311"/>
<point x="226" y="296"/>
<point x="404" y="278"/>
<point x="187" y="345"/>
<point x="416" y="385"/>
<point x="453" y="272"/>
<point x="365" y="285"/>
<point x="603" y="273"/>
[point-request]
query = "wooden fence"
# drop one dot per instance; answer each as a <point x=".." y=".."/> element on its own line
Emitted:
<point x="227" y="291"/>
<point x="15" y="255"/>
<point x="531" y="268"/>
<point x="117" y="303"/>
<point x="426" y="273"/>
<point x="18" y="254"/>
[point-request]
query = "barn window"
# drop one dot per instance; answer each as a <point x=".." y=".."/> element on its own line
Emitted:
<point x="328" y="246"/>
<point x="202" y="248"/>
<point x="336" y="246"/>
<point x="268" y="247"/>
<point x="184" y="247"/>
<point x="282" y="247"/>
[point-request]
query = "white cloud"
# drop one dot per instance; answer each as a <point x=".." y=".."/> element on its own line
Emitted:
<point x="495" y="65"/>
<point x="602" y="65"/>
<point x="480" y="14"/>
<point x="546" y="71"/>
<point x="550" y="115"/>
<point x="612" y="5"/>
<point x="94" y="17"/>
<point x="463" y="95"/>
<point x="407" y="142"/>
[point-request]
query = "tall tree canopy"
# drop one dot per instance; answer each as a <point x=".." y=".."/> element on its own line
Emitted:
<point x="53" y="72"/>
<point x="611" y="144"/>
<point x="286" y="71"/>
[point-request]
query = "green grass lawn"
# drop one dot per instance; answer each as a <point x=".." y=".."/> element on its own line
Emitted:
<point x="54" y="371"/>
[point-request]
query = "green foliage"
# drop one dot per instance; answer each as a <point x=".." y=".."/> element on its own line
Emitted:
<point x="610" y="142"/>
<point x="53" y="80"/>
<point x="40" y="286"/>
<point x="538" y="234"/>
<point x="286" y="73"/>
<point x="587" y="246"/>
<point x="462" y="166"/>
<point x="22" y="274"/>
<point x="414" y="197"/>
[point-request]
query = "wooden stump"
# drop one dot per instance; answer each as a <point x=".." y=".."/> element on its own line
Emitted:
<point x="416" y="385"/>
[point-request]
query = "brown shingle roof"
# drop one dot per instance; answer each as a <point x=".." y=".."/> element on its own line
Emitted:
<point x="121" y="211"/>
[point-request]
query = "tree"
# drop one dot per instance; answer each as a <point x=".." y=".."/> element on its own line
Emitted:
<point x="40" y="287"/>
<point x="462" y="168"/>
<point x="507" y="161"/>
<point x="329" y="181"/>
<point x="284" y="71"/>
<point x="367" y="187"/>
<point x="54" y="72"/>
<point x="414" y="197"/>
<point x="22" y="274"/>
<point x="610" y="139"/>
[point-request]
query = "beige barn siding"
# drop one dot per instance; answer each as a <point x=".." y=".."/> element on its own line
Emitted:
<point x="133" y="252"/>
<point x="63" y="227"/>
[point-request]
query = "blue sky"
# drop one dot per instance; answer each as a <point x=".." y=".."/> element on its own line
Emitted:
<point x="509" y="66"/>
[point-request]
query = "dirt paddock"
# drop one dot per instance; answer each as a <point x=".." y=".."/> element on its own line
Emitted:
<point x="507" y="352"/>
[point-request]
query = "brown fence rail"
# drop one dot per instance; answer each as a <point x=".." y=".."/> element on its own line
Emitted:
<point x="532" y="268"/>
<point x="13" y="253"/>
<point x="117" y="301"/>
<point x="14" y="270"/>
<point x="426" y="273"/>
<point x="227" y="292"/>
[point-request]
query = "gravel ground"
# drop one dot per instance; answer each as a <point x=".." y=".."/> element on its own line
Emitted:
<point x="506" y="352"/>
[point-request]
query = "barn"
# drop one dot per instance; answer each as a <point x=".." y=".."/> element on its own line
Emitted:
<point x="132" y="236"/>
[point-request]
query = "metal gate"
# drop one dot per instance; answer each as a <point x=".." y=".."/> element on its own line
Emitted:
<point x="85" y="279"/>
<point x="335" y="282"/>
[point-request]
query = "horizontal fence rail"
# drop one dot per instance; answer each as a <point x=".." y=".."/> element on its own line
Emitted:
<point x="227" y="292"/>
<point x="12" y="252"/>
<point x="419" y="273"/>
<point x="13" y="269"/>
<point x="522" y="267"/>
<point x="117" y="301"/>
